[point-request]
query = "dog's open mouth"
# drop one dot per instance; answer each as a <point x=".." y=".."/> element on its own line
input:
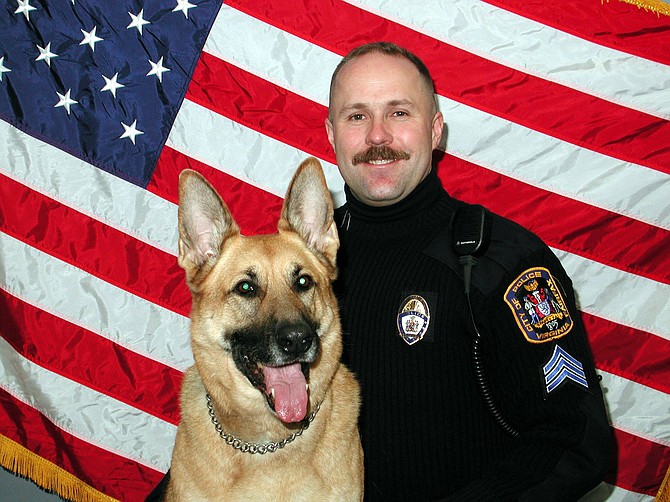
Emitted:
<point x="285" y="388"/>
<point x="287" y="391"/>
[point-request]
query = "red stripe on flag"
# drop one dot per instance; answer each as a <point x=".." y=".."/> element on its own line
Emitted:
<point x="629" y="353"/>
<point x="260" y="105"/>
<point x="111" y="474"/>
<point x="640" y="464"/>
<point x="255" y="211"/>
<point x="564" y="223"/>
<point x="494" y="88"/>
<point x="92" y="246"/>
<point x="614" y="24"/>
<point x="89" y="359"/>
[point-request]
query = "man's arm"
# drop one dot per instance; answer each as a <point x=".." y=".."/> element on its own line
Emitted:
<point x="540" y="368"/>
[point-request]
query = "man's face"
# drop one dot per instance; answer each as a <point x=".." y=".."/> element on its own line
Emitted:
<point x="383" y="126"/>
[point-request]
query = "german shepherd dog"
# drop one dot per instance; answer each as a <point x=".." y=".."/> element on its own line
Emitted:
<point x="267" y="411"/>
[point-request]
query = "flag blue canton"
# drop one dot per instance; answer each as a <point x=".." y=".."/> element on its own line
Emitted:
<point x="101" y="80"/>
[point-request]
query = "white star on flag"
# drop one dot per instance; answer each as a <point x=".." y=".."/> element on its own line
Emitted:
<point x="90" y="38"/>
<point x="3" y="68"/>
<point x="46" y="54"/>
<point x="131" y="131"/>
<point x="65" y="101"/>
<point x="137" y="21"/>
<point x="111" y="84"/>
<point x="184" y="6"/>
<point x="158" y="69"/>
<point x="25" y="8"/>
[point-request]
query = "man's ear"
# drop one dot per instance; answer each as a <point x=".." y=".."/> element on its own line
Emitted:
<point x="330" y="133"/>
<point x="308" y="211"/>
<point x="204" y="223"/>
<point x="437" y="130"/>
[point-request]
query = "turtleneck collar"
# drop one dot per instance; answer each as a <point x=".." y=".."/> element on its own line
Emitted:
<point x="422" y="197"/>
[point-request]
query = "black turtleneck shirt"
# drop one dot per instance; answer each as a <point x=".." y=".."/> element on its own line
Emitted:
<point x="426" y="431"/>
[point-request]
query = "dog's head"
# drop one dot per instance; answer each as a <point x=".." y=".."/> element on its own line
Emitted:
<point x="264" y="317"/>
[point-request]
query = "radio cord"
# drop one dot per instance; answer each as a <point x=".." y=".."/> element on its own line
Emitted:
<point x="468" y="262"/>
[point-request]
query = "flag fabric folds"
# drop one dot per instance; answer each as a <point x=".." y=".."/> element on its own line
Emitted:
<point x="557" y="115"/>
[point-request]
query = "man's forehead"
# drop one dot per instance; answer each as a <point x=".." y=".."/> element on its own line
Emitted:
<point x="371" y="86"/>
<point x="376" y="64"/>
<point x="390" y="103"/>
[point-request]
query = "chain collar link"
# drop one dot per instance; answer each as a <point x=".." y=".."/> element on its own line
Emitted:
<point x="253" y="448"/>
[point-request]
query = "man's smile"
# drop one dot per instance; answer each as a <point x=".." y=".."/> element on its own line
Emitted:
<point x="379" y="155"/>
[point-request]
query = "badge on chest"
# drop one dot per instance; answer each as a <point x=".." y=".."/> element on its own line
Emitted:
<point x="413" y="319"/>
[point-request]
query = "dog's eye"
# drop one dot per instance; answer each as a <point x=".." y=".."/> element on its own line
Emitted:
<point x="304" y="282"/>
<point x="245" y="288"/>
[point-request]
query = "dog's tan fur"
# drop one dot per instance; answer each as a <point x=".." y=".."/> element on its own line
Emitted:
<point x="326" y="461"/>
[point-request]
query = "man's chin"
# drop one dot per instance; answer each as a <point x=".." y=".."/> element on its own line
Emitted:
<point x="381" y="198"/>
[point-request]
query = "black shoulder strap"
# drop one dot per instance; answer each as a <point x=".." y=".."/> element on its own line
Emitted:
<point x="509" y="242"/>
<point x="486" y="275"/>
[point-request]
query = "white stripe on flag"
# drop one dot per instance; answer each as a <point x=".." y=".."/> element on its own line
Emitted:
<point x="272" y="54"/>
<point x="612" y="493"/>
<point x="619" y="296"/>
<point x="557" y="166"/>
<point x="91" y="303"/>
<point x="253" y="156"/>
<point x="535" y="48"/>
<point x="89" y="415"/>
<point x="486" y="140"/>
<point x="91" y="191"/>
<point x="636" y="408"/>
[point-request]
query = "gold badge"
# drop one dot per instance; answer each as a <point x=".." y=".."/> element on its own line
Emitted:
<point x="413" y="319"/>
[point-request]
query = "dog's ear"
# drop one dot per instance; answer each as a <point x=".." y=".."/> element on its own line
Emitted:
<point x="204" y="223"/>
<point x="308" y="210"/>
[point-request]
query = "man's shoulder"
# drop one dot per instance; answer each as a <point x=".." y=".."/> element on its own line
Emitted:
<point x="510" y="241"/>
<point x="510" y="246"/>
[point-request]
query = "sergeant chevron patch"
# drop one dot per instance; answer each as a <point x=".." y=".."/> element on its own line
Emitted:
<point x="561" y="367"/>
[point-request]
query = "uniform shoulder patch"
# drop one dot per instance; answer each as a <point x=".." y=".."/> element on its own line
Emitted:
<point x="538" y="306"/>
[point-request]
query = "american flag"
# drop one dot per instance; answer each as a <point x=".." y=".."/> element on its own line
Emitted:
<point x="558" y="117"/>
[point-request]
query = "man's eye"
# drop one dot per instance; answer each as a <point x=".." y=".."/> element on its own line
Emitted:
<point x="400" y="113"/>
<point x="245" y="288"/>
<point x="357" y="117"/>
<point x="304" y="282"/>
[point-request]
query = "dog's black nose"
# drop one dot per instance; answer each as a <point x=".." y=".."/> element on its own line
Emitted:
<point x="294" y="340"/>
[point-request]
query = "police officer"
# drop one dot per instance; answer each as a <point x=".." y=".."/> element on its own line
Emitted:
<point x="532" y="424"/>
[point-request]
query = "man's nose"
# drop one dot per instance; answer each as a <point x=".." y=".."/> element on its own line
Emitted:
<point x="378" y="132"/>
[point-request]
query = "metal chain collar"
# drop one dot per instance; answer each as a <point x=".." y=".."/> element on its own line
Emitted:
<point x="253" y="448"/>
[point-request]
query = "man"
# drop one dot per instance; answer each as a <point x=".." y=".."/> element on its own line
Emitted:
<point x="538" y="431"/>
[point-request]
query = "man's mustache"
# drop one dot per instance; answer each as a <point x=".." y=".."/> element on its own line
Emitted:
<point x="379" y="153"/>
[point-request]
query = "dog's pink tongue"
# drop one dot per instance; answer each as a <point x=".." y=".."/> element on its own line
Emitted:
<point x="290" y="391"/>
